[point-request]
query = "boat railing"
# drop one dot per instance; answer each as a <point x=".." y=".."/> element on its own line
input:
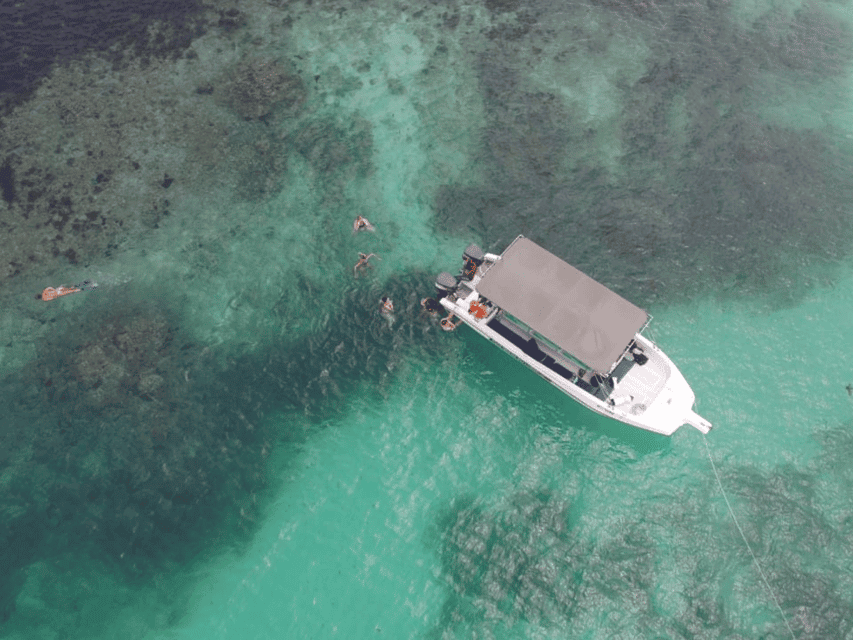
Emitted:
<point x="628" y="346"/>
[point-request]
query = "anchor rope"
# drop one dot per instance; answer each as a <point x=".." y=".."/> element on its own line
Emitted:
<point x="745" y="541"/>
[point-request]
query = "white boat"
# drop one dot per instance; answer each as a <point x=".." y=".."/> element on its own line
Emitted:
<point x="576" y="333"/>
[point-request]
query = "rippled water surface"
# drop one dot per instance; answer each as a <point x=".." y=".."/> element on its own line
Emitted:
<point x="226" y="439"/>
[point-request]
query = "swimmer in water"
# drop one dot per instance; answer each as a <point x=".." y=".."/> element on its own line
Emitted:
<point x="430" y="305"/>
<point x="51" y="293"/>
<point x="363" y="262"/>
<point x="448" y="323"/>
<point x="362" y="224"/>
<point x="387" y="305"/>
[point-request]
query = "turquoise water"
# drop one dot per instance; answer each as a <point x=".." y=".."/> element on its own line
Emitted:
<point x="227" y="440"/>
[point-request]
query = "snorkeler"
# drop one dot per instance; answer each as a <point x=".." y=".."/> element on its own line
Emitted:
<point x="363" y="262"/>
<point x="50" y="292"/>
<point x="448" y="323"/>
<point x="430" y="305"/>
<point x="362" y="224"/>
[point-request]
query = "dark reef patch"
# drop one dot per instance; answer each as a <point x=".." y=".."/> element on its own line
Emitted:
<point x="521" y="137"/>
<point x="231" y="19"/>
<point x="142" y="446"/>
<point x="39" y="33"/>
<point x="516" y="564"/>
<point x="268" y="96"/>
<point x="356" y="348"/>
<point x="337" y="152"/>
<point x="258" y="155"/>
<point x="814" y="44"/>
<point x="502" y="6"/>
<point x="256" y="87"/>
<point x="328" y="146"/>
<point x="62" y="205"/>
<point x="706" y="195"/>
<point x="803" y="511"/>
<point x="136" y="451"/>
<point x="525" y="561"/>
<point x="7" y="183"/>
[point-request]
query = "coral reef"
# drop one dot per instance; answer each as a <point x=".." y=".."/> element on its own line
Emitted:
<point x="338" y="153"/>
<point x="146" y="29"/>
<point x="698" y="173"/>
<point x="516" y="564"/>
<point x="256" y="87"/>
<point x="130" y="441"/>
<point x="123" y="441"/>
<point x="524" y="562"/>
<point x="91" y="161"/>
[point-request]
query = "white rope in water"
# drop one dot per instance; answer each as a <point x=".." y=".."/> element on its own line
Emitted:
<point x="737" y="524"/>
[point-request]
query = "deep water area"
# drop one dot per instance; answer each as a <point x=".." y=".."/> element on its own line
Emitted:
<point x="227" y="439"/>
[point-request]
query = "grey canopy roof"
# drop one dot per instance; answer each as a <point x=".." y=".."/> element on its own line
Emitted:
<point x="579" y="315"/>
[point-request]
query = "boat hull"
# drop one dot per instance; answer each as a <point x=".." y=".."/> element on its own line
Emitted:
<point x="654" y="396"/>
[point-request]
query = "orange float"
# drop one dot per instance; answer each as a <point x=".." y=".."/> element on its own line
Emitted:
<point x="50" y="293"/>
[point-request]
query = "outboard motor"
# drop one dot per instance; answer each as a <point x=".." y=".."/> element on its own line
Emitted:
<point x="474" y="254"/>
<point x="445" y="284"/>
<point x="473" y="258"/>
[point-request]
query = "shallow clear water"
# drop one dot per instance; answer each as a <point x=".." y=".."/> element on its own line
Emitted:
<point x="227" y="440"/>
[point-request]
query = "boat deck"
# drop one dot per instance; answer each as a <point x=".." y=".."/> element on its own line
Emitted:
<point x="532" y="349"/>
<point x="644" y="382"/>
